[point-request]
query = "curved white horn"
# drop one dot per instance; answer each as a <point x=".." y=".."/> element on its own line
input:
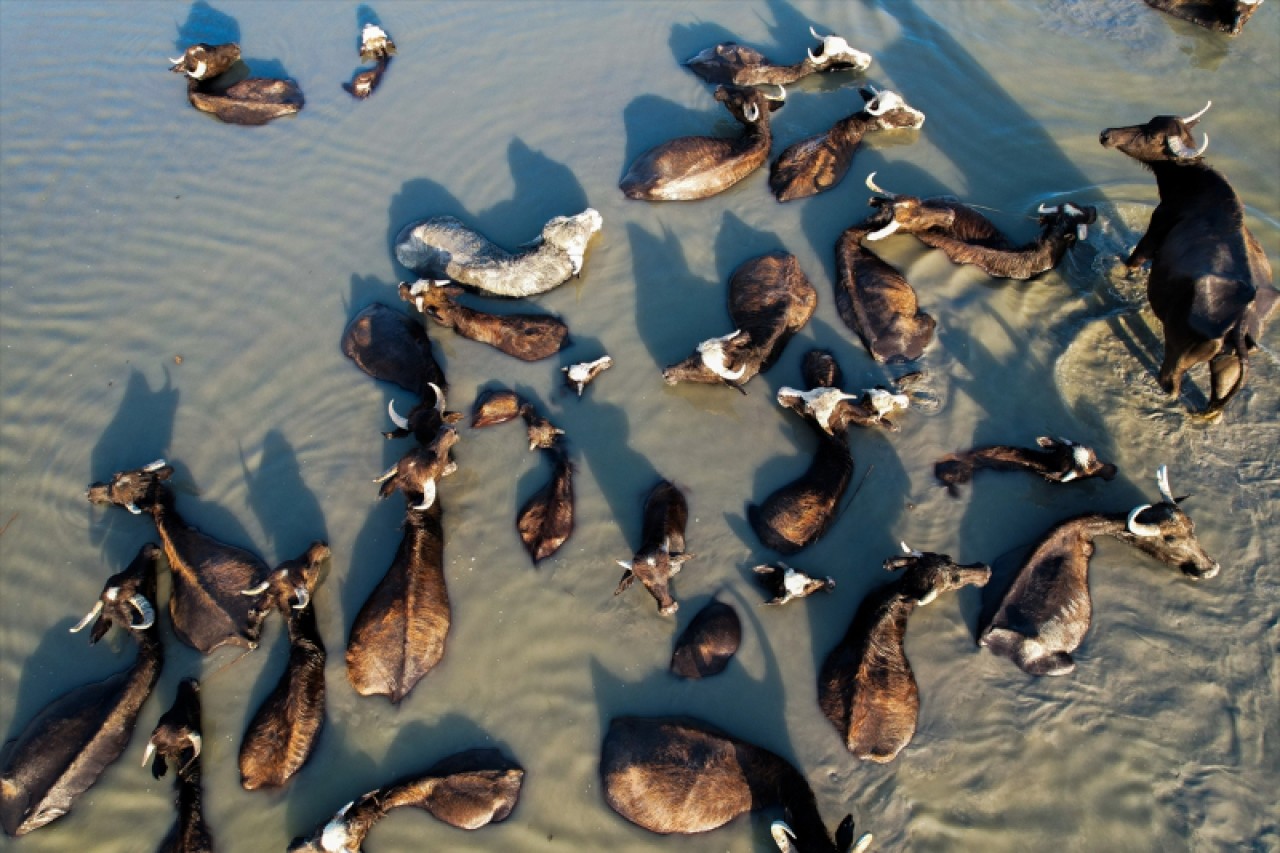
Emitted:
<point x="1162" y="482"/>
<point x="428" y="494"/>
<point x="1180" y="150"/>
<point x="396" y="419"/>
<point x="196" y="742"/>
<point x="871" y="185"/>
<point x="89" y="617"/>
<point x="149" y="754"/>
<point x="814" y="33"/>
<point x="1196" y="116"/>
<point x="133" y="508"/>
<point x="1136" y="527"/>
<point x="1045" y="210"/>
<point x="782" y="836"/>
<point x="177" y="61"/>
<point x="928" y="598"/>
<point x="752" y="113"/>
<point x="439" y="396"/>
<point x="387" y="474"/>
<point x="155" y="466"/>
<point x="145" y="610"/>
<point x="257" y="590"/>
<point x="304" y="597"/>
<point x="881" y="233"/>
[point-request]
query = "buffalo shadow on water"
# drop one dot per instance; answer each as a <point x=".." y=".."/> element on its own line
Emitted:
<point x="543" y="189"/>
<point x="341" y="771"/>
<point x="286" y="508"/>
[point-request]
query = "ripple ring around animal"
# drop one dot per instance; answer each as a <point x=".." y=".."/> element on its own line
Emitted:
<point x="444" y="247"/>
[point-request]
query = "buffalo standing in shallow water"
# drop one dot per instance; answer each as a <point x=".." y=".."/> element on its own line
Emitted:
<point x="1210" y="283"/>
<point x="65" y="749"/>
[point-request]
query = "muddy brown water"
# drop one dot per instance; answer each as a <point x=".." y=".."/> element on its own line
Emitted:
<point x="171" y="286"/>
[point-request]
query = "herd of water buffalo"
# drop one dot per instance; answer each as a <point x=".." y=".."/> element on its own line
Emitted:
<point x="1209" y="286"/>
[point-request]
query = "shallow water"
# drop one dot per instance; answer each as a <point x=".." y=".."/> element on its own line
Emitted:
<point x="209" y="271"/>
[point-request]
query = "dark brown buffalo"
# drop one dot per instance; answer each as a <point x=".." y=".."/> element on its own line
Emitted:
<point x="546" y="520"/>
<point x="866" y="687"/>
<point x="283" y="732"/>
<point x="469" y="790"/>
<point x="253" y="101"/>
<point x="694" y="167"/>
<point x="1058" y="460"/>
<point x="388" y="345"/>
<point x="770" y="299"/>
<point x="528" y="337"/>
<point x="687" y="777"/>
<point x="399" y="634"/>
<point x="1044" y="615"/>
<point x="177" y="740"/>
<point x="206" y="61"/>
<point x="661" y="554"/>
<point x="817" y="164"/>
<point x="63" y="751"/>
<point x="800" y="512"/>
<point x="877" y="302"/>
<point x="1210" y="283"/>
<point x="729" y="62"/>
<point x="208" y="606"/>
<point x="708" y="643"/>
<point x="1227" y="16"/>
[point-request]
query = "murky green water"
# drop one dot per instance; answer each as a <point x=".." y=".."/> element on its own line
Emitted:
<point x="137" y="231"/>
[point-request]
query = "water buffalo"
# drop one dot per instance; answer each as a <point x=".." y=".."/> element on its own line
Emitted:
<point x="469" y="790"/>
<point x="866" y="687"/>
<point x="800" y="512"/>
<point x="207" y="604"/>
<point x="399" y="634"/>
<point x="500" y="406"/>
<point x="578" y="376"/>
<point x="967" y="237"/>
<point x="730" y="62"/>
<point x="787" y="584"/>
<point x="877" y="302"/>
<point x="443" y="247"/>
<point x="708" y="643"/>
<point x="252" y="101"/>
<point x="770" y="299"/>
<point x="545" y="522"/>
<point x="1059" y="460"/>
<point x="1210" y="283"/>
<point x="1045" y="614"/>
<point x="817" y="164"/>
<point x="683" y="776"/>
<point x="661" y="554"/>
<point x="206" y="61"/>
<point x="390" y="346"/>
<point x="63" y="751"/>
<point x="694" y="167"/>
<point x="528" y="337"/>
<point x="1227" y="16"/>
<point x="283" y="732"/>
<point x="177" y="740"/>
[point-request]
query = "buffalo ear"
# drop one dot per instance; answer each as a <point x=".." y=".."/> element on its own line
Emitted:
<point x="844" y="834"/>
<point x="452" y="417"/>
<point x="1044" y="441"/>
<point x="1181" y="499"/>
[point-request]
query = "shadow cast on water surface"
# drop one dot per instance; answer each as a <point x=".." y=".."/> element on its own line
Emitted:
<point x="287" y="510"/>
<point x="544" y="189"/>
<point x="206" y="24"/>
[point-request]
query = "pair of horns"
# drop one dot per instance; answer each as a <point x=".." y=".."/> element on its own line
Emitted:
<point x="1178" y="148"/>
<point x="139" y="602"/>
<point x="1138" y="528"/>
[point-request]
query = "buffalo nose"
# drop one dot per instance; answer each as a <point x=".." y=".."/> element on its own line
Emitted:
<point x="1105" y="139"/>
